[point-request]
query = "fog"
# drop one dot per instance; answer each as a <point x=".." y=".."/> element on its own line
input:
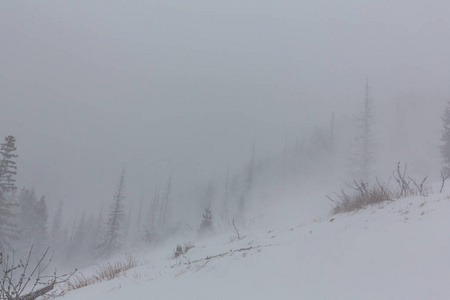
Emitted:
<point x="186" y="88"/>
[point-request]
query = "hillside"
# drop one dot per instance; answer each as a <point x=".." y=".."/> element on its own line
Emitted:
<point x="397" y="250"/>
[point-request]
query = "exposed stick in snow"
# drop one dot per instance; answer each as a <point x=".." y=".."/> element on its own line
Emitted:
<point x="221" y="254"/>
<point x="419" y="186"/>
<point x="443" y="181"/>
<point x="237" y="231"/>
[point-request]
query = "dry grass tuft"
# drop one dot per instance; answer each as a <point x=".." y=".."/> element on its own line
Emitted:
<point x="362" y="194"/>
<point x="104" y="273"/>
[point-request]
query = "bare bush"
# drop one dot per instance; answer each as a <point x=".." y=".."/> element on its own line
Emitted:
<point x="363" y="194"/>
<point x="404" y="183"/>
<point x="182" y="249"/>
<point x="23" y="281"/>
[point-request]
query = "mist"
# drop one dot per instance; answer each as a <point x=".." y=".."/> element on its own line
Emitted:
<point x="192" y="90"/>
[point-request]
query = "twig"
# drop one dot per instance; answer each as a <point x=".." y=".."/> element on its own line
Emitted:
<point x="443" y="181"/>
<point x="237" y="231"/>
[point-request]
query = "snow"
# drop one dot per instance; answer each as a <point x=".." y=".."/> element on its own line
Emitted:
<point x="395" y="250"/>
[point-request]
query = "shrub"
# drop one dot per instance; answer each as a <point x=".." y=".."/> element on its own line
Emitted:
<point x="182" y="249"/>
<point x="363" y="194"/>
<point x="103" y="273"/>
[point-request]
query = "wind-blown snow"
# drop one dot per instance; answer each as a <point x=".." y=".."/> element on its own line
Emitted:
<point x="396" y="250"/>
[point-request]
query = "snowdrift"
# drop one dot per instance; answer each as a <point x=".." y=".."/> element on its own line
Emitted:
<point x="394" y="250"/>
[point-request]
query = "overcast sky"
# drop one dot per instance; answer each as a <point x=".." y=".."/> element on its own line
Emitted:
<point x="88" y="87"/>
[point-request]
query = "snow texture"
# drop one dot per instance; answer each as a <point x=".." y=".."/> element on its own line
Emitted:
<point x="395" y="250"/>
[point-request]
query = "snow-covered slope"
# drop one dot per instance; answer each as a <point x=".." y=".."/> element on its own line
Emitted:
<point x="397" y="250"/>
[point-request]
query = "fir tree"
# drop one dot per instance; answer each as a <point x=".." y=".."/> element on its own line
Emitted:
<point x="57" y="220"/>
<point x="164" y="206"/>
<point x="8" y="168"/>
<point x="32" y="221"/>
<point x="58" y="236"/>
<point x="365" y="144"/>
<point x="112" y="236"/>
<point x="226" y="197"/>
<point x="8" y="228"/>
<point x="445" y="138"/>
<point x="248" y="184"/>
<point x="83" y="238"/>
<point x="206" y="226"/>
<point x="40" y="225"/>
<point x="151" y="224"/>
<point x="27" y="201"/>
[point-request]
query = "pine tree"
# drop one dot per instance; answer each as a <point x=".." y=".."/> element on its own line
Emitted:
<point x="139" y="216"/>
<point x="112" y="236"/>
<point x="445" y="138"/>
<point x="206" y="226"/>
<point x="8" y="228"/>
<point x="164" y="206"/>
<point x="150" y="225"/>
<point x="32" y="221"/>
<point x="58" y="237"/>
<point x="226" y="197"/>
<point x="8" y="168"/>
<point x="153" y="221"/>
<point x="365" y="144"/>
<point x="209" y="194"/>
<point x="80" y="247"/>
<point x="247" y="184"/>
<point x="57" y="220"/>
<point x="40" y="225"/>
<point x="249" y="181"/>
<point x="27" y="201"/>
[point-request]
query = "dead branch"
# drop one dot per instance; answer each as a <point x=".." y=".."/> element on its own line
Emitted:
<point x="331" y="199"/>
<point x="443" y="178"/>
<point x="384" y="189"/>
<point x="419" y="186"/>
<point x="400" y="177"/>
<point x="221" y="255"/>
<point x="237" y="231"/>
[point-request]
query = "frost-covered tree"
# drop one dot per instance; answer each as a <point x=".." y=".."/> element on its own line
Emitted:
<point x="206" y="226"/>
<point x="40" y="225"/>
<point x="164" y="206"/>
<point x="57" y="220"/>
<point x="8" y="168"/>
<point x="27" y="200"/>
<point x="58" y="237"/>
<point x="445" y="138"/>
<point x="112" y="235"/>
<point x="32" y="220"/>
<point x="248" y="184"/>
<point x="152" y="217"/>
<point x="226" y="198"/>
<point x="83" y="240"/>
<point x="208" y="195"/>
<point x="364" y="151"/>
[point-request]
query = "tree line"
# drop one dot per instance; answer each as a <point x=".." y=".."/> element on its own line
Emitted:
<point x="25" y="221"/>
